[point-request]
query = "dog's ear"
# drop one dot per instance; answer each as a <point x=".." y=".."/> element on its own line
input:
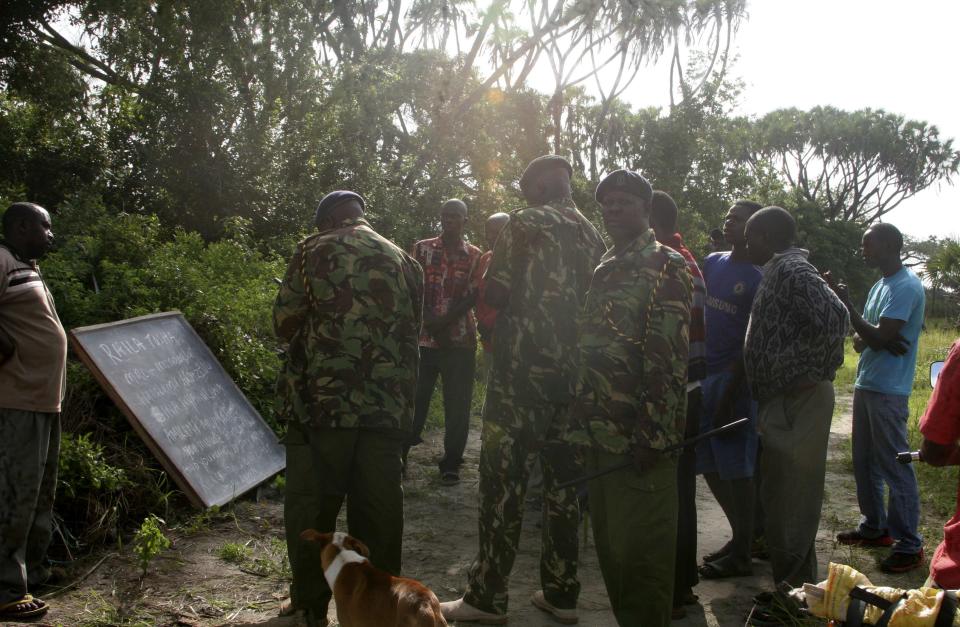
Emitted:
<point x="312" y="535"/>
<point x="353" y="544"/>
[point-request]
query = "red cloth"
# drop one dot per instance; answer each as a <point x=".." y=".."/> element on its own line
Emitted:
<point x="697" y="356"/>
<point x="446" y="280"/>
<point x="941" y="424"/>
<point x="486" y="315"/>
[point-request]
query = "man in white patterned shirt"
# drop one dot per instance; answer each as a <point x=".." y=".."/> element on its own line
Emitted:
<point x="792" y="350"/>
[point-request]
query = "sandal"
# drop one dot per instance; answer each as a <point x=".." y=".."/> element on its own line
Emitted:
<point x="721" y="552"/>
<point x="717" y="570"/>
<point x="25" y="607"/>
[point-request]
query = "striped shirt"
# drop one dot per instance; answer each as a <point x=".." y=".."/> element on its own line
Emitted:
<point x="33" y="378"/>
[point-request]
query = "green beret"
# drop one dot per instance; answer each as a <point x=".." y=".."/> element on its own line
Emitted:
<point x="333" y="199"/>
<point x="540" y="165"/>
<point x="454" y="205"/>
<point x="624" y="181"/>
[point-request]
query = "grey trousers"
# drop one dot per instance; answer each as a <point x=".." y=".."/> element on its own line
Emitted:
<point x="795" y="429"/>
<point x="29" y="451"/>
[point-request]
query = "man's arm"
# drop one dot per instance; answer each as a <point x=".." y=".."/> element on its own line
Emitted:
<point x="665" y="363"/>
<point x="7" y="346"/>
<point x="939" y="454"/>
<point x="290" y="308"/>
<point x="723" y="414"/>
<point x="884" y="336"/>
<point x="499" y="273"/>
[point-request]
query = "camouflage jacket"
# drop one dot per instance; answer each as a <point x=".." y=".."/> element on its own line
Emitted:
<point x="350" y="308"/>
<point x="633" y="350"/>
<point x="544" y="257"/>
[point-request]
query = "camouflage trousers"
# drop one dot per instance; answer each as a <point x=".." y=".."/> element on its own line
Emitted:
<point x="29" y="451"/>
<point x="504" y="468"/>
<point x="324" y="468"/>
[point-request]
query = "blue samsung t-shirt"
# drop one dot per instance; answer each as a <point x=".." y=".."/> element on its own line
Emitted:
<point x="731" y="286"/>
<point x="898" y="297"/>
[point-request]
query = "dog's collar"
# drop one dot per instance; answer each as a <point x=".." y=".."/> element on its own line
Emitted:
<point x="343" y="558"/>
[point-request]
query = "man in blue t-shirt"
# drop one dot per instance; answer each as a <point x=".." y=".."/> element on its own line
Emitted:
<point x="728" y="462"/>
<point x="887" y="338"/>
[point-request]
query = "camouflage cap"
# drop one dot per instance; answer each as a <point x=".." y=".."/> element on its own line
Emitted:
<point x="624" y="181"/>
<point x="333" y="200"/>
<point x="454" y="205"/>
<point x="540" y="165"/>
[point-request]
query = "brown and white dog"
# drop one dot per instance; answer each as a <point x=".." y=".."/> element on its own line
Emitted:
<point x="369" y="597"/>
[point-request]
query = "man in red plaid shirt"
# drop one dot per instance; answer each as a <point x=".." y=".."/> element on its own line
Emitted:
<point x="448" y="341"/>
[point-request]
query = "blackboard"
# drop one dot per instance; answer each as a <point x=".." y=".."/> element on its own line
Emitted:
<point x="181" y="402"/>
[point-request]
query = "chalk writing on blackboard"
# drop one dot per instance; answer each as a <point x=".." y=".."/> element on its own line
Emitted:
<point x="184" y="405"/>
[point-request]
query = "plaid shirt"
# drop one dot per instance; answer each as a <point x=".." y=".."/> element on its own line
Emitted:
<point x="448" y="279"/>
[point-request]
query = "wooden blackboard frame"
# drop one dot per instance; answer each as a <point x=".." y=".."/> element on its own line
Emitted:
<point x="158" y="451"/>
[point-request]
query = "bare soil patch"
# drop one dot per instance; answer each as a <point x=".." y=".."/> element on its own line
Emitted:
<point x="230" y="568"/>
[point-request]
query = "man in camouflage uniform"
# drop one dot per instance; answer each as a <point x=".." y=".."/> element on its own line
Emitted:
<point x="539" y="274"/>
<point x="350" y="309"/>
<point x="631" y="402"/>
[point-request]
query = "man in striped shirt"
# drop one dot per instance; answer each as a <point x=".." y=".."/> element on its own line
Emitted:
<point x="663" y="219"/>
<point x="33" y="356"/>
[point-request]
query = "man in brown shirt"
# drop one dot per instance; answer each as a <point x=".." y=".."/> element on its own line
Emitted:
<point x="33" y="354"/>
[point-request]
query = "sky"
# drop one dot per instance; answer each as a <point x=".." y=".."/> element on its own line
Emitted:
<point x="898" y="56"/>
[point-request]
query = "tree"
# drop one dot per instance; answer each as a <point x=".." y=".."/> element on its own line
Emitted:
<point x="857" y="166"/>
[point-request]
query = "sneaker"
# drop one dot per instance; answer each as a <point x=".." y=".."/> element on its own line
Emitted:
<point x="853" y="537"/>
<point x="901" y="562"/>
<point x="449" y="478"/>
<point x="567" y="617"/>
<point x="462" y="611"/>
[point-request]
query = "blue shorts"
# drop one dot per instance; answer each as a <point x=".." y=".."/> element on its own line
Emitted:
<point x="731" y="455"/>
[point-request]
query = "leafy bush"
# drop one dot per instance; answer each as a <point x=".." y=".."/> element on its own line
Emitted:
<point x="83" y="468"/>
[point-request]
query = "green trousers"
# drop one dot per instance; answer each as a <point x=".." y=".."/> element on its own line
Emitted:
<point x="29" y="450"/>
<point x="634" y="519"/>
<point x="504" y="471"/>
<point x="324" y="467"/>
<point x="795" y="430"/>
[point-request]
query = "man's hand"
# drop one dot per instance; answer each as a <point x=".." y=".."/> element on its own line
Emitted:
<point x="840" y="289"/>
<point x="7" y="347"/>
<point x="645" y="458"/>
<point x="897" y="346"/>
<point x="724" y="409"/>
<point x="858" y="343"/>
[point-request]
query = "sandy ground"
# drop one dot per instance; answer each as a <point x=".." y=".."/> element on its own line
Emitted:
<point x="230" y="569"/>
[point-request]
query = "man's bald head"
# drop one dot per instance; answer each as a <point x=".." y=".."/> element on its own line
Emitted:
<point x="18" y="212"/>
<point x="769" y="231"/>
<point x="493" y="226"/>
<point x="26" y="228"/>
<point x="888" y="234"/>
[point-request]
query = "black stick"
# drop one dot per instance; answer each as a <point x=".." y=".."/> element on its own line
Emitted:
<point x="703" y="436"/>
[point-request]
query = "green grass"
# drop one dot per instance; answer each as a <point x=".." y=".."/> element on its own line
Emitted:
<point x="938" y="486"/>
<point x="234" y="552"/>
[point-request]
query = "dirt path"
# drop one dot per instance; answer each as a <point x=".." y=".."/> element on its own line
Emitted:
<point x="230" y="568"/>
